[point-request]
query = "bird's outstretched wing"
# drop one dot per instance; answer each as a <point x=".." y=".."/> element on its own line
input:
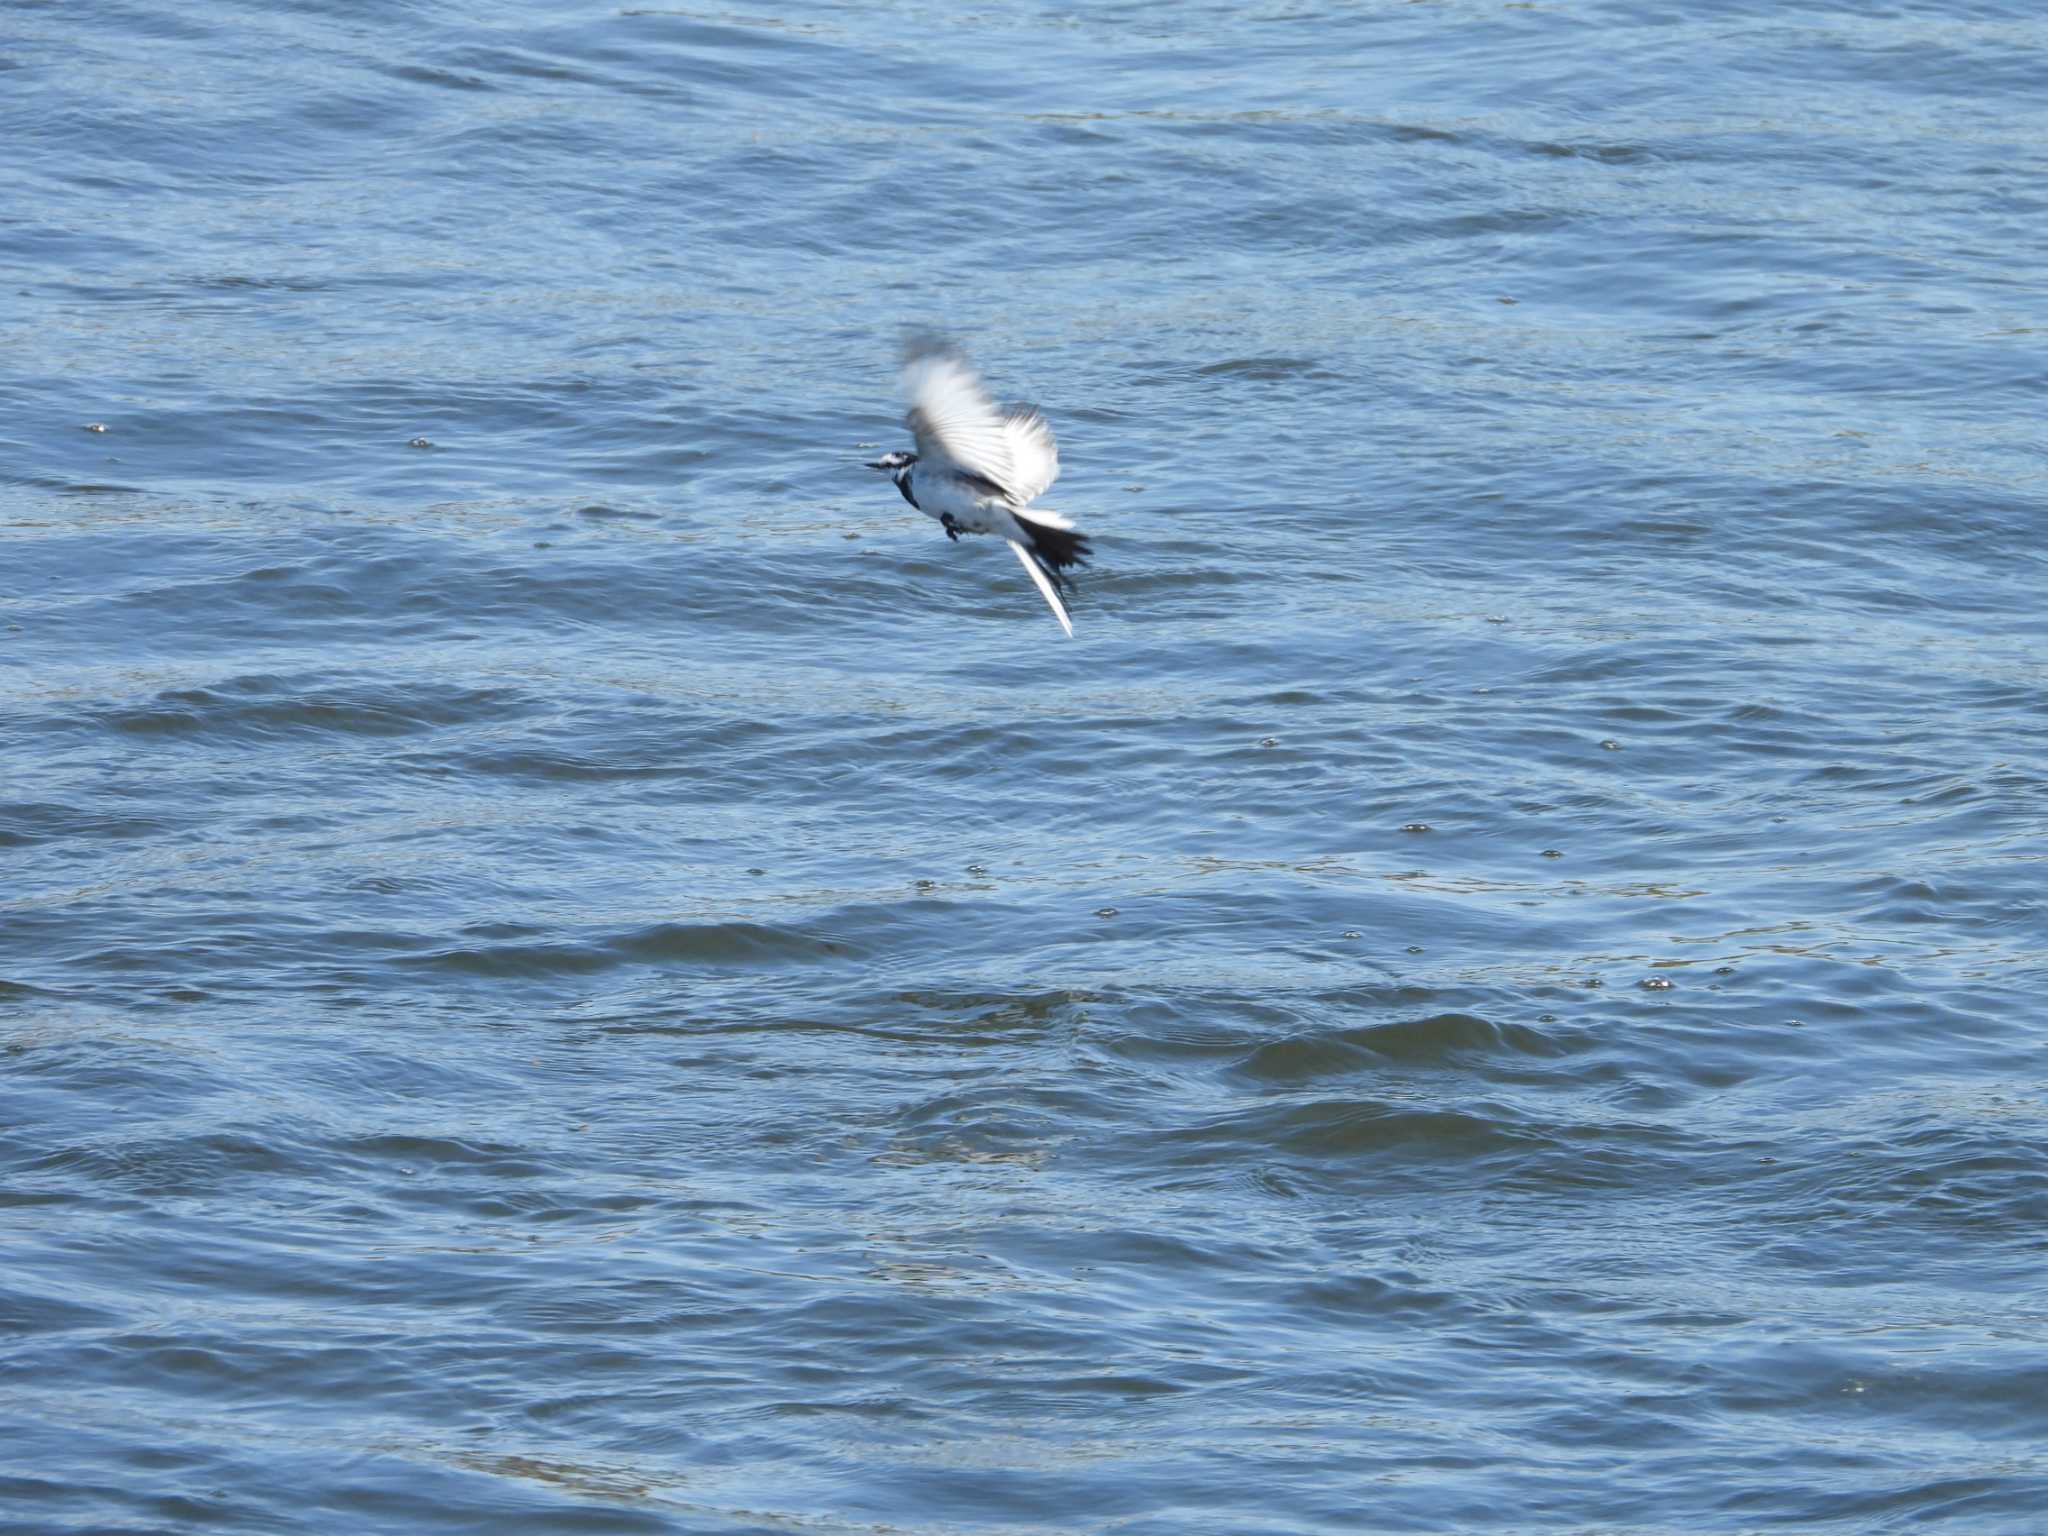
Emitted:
<point x="952" y="418"/>
<point x="1045" y="586"/>
<point x="1034" y="456"/>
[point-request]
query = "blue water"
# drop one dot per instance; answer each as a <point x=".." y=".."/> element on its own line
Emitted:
<point x="569" y="964"/>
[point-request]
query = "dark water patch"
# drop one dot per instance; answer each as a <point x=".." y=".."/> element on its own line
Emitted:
<point x="25" y="1313"/>
<point x="728" y="944"/>
<point x="1263" y="369"/>
<point x="268" y="709"/>
<point x="639" y="740"/>
<point x="236" y="282"/>
<point x="723" y="945"/>
<point x="18" y="990"/>
<point x="1440" y="1039"/>
<point x="1604" y="154"/>
<point x="169" y="1168"/>
<point x="447" y="79"/>
<point x="1345" y="1129"/>
<point x="961" y="1019"/>
<point x="415" y="1152"/>
<point x="26" y="824"/>
<point x="1907" y="1498"/>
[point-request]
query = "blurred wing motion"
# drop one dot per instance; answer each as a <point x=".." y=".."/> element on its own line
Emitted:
<point x="1044" y="585"/>
<point x="1034" y="456"/>
<point x="958" y="427"/>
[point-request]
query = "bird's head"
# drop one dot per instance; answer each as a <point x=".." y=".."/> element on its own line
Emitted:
<point x="897" y="460"/>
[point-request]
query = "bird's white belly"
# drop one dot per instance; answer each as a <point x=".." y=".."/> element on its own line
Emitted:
<point x="940" y="496"/>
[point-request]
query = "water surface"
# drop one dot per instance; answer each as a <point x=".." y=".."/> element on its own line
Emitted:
<point x="567" y="963"/>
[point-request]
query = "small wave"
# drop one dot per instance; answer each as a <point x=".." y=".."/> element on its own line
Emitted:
<point x="25" y="824"/>
<point x="726" y="945"/>
<point x="1442" y="1037"/>
<point x="1263" y="368"/>
<point x="1345" y="1127"/>
<point x="267" y="708"/>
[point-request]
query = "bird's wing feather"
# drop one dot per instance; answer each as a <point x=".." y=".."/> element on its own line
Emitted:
<point x="1034" y="456"/>
<point x="1030" y="565"/>
<point x="951" y="415"/>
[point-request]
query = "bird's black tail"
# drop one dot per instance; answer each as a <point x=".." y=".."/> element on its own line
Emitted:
<point x="1055" y="548"/>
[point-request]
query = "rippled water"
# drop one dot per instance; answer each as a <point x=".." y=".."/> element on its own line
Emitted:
<point x="567" y="963"/>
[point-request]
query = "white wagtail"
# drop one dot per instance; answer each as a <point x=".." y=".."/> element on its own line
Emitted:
<point x="976" y="468"/>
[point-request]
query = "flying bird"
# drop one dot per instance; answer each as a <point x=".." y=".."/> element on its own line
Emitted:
<point x="977" y="468"/>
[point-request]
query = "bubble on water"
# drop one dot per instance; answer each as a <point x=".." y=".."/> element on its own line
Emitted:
<point x="1269" y="741"/>
<point x="1552" y="853"/>
<point x="1724" y="970"/>
<point x="926" y="885"/>
<point x="1496" y="618"/>
<point x="1417" y="826"/>
<point x="977" y="869"/>
<point x="1546" y="1018"/>
<point x="1353" y="933"/>
<point x="1504" y="299"/>
<point x="1414" y="949"/>
<point x="1134" y="489"/>
<point x="1594" y="981"/>
<point x="419" y="442"/>
<point x="1105" y="911"/>
<point x="1655" y="983"/>
<point x="1610" y="745"/>
<point x="95" y="426"/>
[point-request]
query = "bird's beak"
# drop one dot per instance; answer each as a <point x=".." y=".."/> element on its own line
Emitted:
<point x="871" y="464"/>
